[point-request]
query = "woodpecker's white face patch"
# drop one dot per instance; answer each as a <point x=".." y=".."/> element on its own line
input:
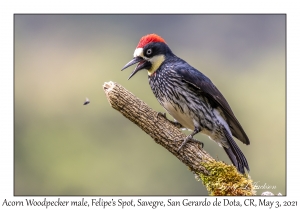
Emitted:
<point x="138" y="52"/>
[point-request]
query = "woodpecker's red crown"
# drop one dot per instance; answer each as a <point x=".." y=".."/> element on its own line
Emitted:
<point x="148" y="39"/>
<point x="150" y="53"/>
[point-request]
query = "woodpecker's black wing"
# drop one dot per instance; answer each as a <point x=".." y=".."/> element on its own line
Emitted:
<point x="201" y="82"/>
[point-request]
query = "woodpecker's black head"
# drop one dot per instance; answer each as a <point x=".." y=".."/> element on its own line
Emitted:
<point x="150" y="53"/>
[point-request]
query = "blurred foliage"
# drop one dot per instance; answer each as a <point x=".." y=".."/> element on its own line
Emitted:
<point x="64" y="148"/>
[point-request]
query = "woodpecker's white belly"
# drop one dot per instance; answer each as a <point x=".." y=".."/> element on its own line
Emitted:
<point x="183" y="118"/>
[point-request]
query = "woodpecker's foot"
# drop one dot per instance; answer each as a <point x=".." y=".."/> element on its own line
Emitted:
<point x="190" y="138"/>
<point x="162" y="114"/>
<point x="175" y="123"/>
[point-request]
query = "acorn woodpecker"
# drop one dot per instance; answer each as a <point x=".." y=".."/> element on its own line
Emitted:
<point x="190" y="97"/>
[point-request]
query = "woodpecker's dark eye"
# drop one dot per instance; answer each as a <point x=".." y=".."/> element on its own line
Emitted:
<point x="149" y="51"/>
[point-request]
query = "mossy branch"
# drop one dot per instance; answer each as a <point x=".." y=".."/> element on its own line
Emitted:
<point x="219" y="178"/>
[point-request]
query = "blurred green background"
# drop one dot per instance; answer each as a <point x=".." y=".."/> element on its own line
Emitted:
<point x="64" y="148"/>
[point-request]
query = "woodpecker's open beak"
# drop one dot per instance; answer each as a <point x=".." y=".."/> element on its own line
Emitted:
<point x="142" y="65"/>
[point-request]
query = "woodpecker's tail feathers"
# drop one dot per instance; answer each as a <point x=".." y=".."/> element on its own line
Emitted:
<point x="235" y="154"/>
